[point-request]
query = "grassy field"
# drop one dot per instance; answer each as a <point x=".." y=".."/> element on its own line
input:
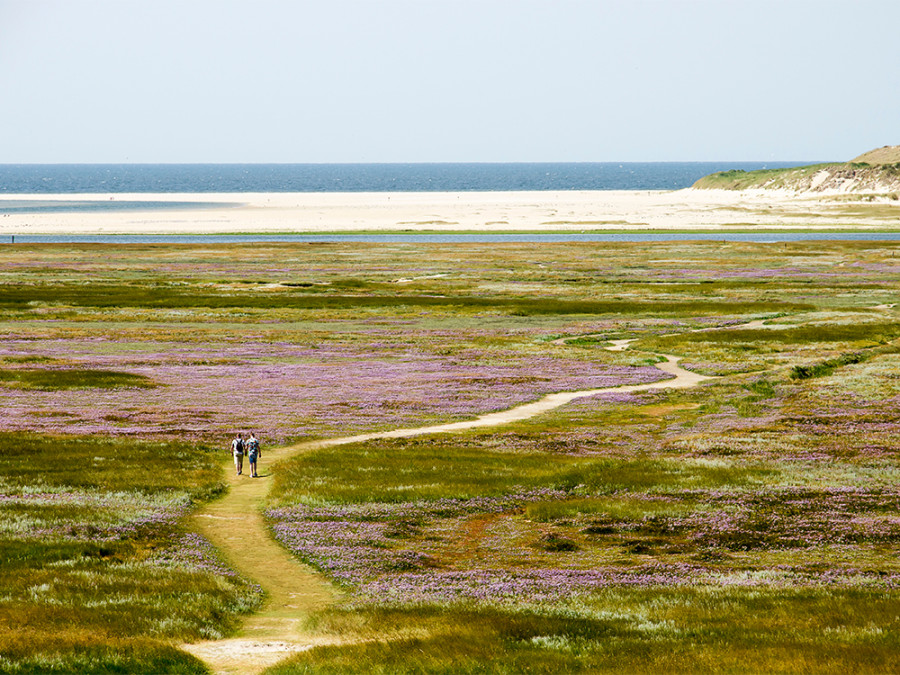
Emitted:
<point x="748" y="524"/>
<point x="99" y="574"/>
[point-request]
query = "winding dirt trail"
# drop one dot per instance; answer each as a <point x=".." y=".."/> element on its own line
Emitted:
<point x="234" y="524"/>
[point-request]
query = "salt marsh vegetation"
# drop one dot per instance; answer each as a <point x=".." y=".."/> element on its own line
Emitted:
<point x="749" y="523"/>
<point x="100" y="575"/>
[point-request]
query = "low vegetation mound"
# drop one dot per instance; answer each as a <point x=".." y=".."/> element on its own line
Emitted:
<point x="877" y="171"/>
<point x="889" y="154"/>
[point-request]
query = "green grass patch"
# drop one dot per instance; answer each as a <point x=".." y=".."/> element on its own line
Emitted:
<point x="82" y="378"/>
<point x="27" y="359"/>
<point x="318" y="298"/>
<point x="873" y="333"/>
<point x="403" y="470"/>
<point x="620" y="507"/>
<point x="589" y="341"/>
<point x="676" y="630"/>
<point x="108" y="463"/>
<point x="114" y="590"/>
<point x="442" y="467"/>
<point x="28" y="652"/>
<point x="828" y="366"/>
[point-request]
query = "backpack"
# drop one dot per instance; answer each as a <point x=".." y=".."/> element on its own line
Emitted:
<point x="237" y="445"/>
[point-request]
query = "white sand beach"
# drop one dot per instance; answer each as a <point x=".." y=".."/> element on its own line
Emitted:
<point x="563" y="211"/>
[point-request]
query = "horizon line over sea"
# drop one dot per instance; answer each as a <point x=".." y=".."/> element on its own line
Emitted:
<point x="386" y="177"/>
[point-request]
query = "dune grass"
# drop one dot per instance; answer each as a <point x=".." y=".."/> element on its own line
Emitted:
<point x="738" y="179"/>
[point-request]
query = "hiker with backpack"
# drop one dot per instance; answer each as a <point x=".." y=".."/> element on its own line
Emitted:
<point x="237" y="449"/>
<point x="253" y="454"/>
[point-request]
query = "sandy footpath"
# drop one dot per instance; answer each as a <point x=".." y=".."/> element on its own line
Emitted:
<point x="482" y="211"/>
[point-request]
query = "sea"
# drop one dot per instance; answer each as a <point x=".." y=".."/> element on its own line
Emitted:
<point x="36" y="179"/>
<point x="33" y="180"/>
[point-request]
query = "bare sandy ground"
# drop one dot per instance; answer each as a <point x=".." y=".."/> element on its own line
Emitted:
<point x="451" y="211"/>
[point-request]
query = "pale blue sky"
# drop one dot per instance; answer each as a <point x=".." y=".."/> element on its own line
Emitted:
<point x="446" y="80"/>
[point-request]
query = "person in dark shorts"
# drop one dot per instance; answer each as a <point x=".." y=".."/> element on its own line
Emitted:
<point x="253" y="453"/>
<point x="237" y="449"/>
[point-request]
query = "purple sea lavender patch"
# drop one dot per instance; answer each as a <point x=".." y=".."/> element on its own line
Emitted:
<point x="357" y="545"/>
<point x="545" y="585"/>
<point x="796" y="518"/>
<point x="551" y="585"/>
<point x="352" y="543"/>
<point x="287" y="392"/>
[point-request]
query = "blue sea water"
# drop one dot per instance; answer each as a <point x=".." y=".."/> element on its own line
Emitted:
<point x="36" y="179"/>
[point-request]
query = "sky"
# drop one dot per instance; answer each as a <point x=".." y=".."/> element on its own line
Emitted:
<point x="283" y="81"/>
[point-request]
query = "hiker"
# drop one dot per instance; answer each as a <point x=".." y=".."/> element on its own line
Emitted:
<point x="237" y="449"/>
<point x="253" y="454"/>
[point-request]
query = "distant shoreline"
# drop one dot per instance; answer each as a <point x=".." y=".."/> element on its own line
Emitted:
<point x="449" y="212"/>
